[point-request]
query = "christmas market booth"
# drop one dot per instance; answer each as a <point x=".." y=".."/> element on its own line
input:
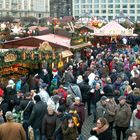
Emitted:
<point x="24" y="54"/>
<point x="112" y="30"/>
<point x="15" y="63"/>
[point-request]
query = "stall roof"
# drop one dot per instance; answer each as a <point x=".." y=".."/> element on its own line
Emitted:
<point x="81" y="45"/>
<point x="113" y="28"/>
<point x="27" y="47"/>
<point x="55" y="39"/>
<point x="52" y="39"/>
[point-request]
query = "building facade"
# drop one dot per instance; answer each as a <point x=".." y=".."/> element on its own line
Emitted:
<point x="107" y="9"/>
<point x="21" y="8"/>
<point x="60" y="8"/>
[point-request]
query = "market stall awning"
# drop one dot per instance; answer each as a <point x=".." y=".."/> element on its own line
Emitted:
<point x="81" y="45"/>
<point x="66" y="53"/>
<point x="113" y="28"/>
<point x="27" y="47"/>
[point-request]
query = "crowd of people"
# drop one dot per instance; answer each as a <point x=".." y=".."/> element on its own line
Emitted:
<point x="54" y="103"/>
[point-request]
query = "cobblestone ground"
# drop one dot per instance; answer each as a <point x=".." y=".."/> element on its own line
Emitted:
<point x="88" y="124"/>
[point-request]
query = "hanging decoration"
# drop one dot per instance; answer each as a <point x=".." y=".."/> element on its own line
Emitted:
<point x="14" y="56"/>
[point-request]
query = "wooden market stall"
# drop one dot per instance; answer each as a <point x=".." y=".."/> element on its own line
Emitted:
<point x="25" y="54"/>
<point x="112" y="30"/>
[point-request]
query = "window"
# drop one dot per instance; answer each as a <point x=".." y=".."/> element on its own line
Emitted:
<point x="83" y="1"/>
<point x="138" y="18"/>
<point x="76" y="1"/>
<point x="117" y="11"/>
<point x="110" y="1"/>
<point x="124" y="6"/>
<point x="96" y="6"/>
<point x="110" y="17"/>
<point x="96" y="11"/>
<point x="103" y="6"/>
<point x="138" y="5"/>
<point x="89" y="1"/>
<point x="132" y="0"/>
<point x="117" y="1"/>
<point x="83" y="11"/>
<point x="138" y="11"/>
<point x="76" y="6"/>
<point x="125" y="11"/>
<point x="132" y="18"/>
<point x="110" y="11"/>
<point x="89" y="6"/>
<point x="103" y="11"/>
<point x="103" y="1"/>
<point x="132" y="11"/>
<point x="125" y="1"/>
<point x="132" y="6"/>
<point x="96" y="1"/>
<point x="110" y="6"/>
<point x="7" y="5"/>
<point x="77" y="12"/>
<point x="117" y="6"/>
<point x="83" y="6"/>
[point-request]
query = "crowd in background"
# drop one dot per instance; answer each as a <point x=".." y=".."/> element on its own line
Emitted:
<point x="105" y="84"/>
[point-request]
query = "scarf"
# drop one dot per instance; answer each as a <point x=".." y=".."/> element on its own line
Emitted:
<point x="138" y="114"/>
<point x="102" y="129"/>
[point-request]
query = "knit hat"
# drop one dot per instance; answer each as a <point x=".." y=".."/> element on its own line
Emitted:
<point x="77" y="98"/>
<point x="51" y="106"/>
<point x="9" y="115"/>
<point x="121" y="98"/>
<point x="103" y="98"/>
<point x="43" y="85"/>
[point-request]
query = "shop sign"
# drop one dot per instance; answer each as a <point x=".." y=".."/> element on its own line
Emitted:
<point x="10" y="57"/>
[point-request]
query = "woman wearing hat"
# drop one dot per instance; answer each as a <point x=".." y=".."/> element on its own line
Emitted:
<point x="135" y="119"/>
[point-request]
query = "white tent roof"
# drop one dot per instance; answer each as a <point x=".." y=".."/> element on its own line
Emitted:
<point x="113" y="28"/>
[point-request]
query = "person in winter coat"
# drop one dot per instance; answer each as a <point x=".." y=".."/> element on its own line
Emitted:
<point x="96" y="96"/>
<point x="36" y="117"/>
<point x="102" y="130"/>
<point x="110" y="113"/>
<point x="69" y="129"/>
<point x="80" y="108"/>
<point x="135" y="119"/>
<point x="61" y="116"/>
<point x="130" y="97"/>
<point x="122" y="118"/>
<point x="11" y="130"/>
<point x="49" y="123"/>
<point x="85" y="92"/>
<point x="26" y="106"/>
<point x="43" y="93"/>
<point x="101" y="107"/>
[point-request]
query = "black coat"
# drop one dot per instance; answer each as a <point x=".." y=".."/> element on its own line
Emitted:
<point x="27" y="106"/>
<point x="38" y="112"/>
<point x="85" y="90"/>
<point x="105" y="135"/>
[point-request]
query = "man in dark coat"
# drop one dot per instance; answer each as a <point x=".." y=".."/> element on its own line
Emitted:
<point x="35" y="120"/>
<point x="85" y="92"/>
<point x="96" y="96"/>
<point x="26" y="105"/>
